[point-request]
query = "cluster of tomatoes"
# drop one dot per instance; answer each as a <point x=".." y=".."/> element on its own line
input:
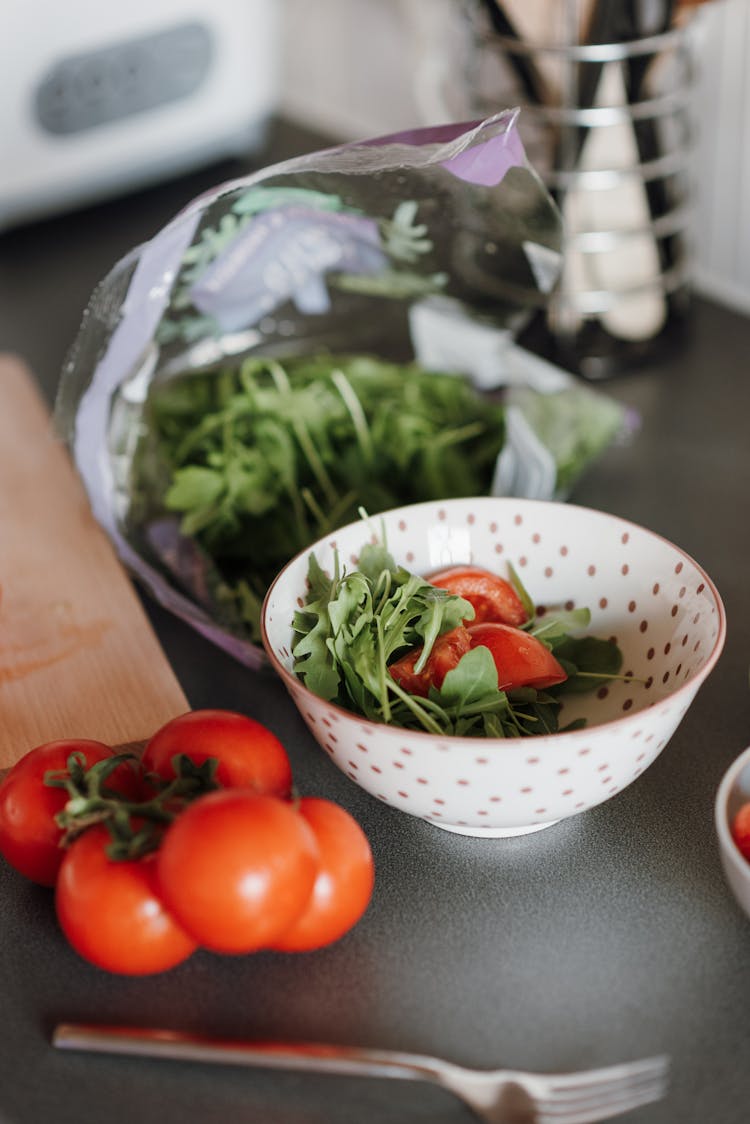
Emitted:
<point x="499" y="612"/>
<point x="200" y="841"/>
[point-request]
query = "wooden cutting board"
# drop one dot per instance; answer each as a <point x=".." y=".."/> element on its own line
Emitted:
<point x="78" y="655"/>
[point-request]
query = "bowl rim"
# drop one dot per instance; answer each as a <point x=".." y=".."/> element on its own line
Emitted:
<point x="689" y="686"/>
<point x="732" y="853"/>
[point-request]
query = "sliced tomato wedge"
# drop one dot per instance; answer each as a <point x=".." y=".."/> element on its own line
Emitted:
<point x="521" y="660"/>
<point x="493" y="598"/>
<point x="446" y="652"/>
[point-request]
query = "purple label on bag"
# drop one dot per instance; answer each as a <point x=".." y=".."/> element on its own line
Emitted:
<point x="485" y="160"/>
<point x="487" y="163"/>
<point x="284" y="254"/>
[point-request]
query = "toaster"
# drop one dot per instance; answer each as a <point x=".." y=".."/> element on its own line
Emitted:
<point x="99" y="98"/>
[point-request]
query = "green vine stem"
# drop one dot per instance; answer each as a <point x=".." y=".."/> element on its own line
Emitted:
<point x="135" y="826"/>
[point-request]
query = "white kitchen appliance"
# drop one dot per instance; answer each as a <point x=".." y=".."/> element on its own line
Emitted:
<point x="99" y="97"/>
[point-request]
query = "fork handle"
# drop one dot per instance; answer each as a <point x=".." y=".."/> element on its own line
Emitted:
<point x="179" y="1045"/>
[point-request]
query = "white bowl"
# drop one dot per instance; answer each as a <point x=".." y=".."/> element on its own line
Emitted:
<point x="661" y="607"/>
<point x="732" y="793"/>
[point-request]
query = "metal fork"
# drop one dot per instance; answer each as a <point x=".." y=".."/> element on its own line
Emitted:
<point x="496" y="1096"/>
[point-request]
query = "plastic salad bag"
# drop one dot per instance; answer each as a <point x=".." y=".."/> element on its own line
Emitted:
<point x="331" y="334"/>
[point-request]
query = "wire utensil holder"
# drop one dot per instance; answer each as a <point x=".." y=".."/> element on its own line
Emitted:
<point x="605" y="92"/>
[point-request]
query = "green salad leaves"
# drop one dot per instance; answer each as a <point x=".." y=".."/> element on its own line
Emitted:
<point x="353" y="625"/>
<point x="238" y="468"/>
<point x="261" y="460"/>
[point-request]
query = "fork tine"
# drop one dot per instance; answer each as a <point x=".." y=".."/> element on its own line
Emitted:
<point x="596" y="1113"/>
<point x="606" y="1077"/>
<point x="571" y="1099"/>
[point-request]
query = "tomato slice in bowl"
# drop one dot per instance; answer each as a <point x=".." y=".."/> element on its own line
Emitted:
<point x="492" y="597"/>
<point x="446" y="652"/>
<point x="521" y="660"/>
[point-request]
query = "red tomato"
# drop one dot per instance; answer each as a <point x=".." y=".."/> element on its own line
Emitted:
<point x="740" y="828"/>
<point x="30" y="839"/>
<point x="446" y="652"/>
<point x="111" y="912"/>
<point x="237" y="869"/>
<point x="344" y="883"/>
<point x="248" y="754"/>
<point x="493" y="598"/>
<point x="521" y="660"/>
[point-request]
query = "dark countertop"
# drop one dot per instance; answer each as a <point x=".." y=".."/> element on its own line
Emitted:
<point x="606" y="937"/>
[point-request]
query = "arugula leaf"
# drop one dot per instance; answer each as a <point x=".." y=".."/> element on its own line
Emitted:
<point x="555" y="626"/>
<point x="441" y="613"/>
<point x="374" y="559"/>
<point x="522" y="592"/>
<point x="588" y="660"/>
<point x="472" y="681"/>
<point x="312" y="627"/>
<point x="318" y="582"/>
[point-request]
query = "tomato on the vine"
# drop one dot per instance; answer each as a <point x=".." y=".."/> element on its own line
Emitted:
<point x="446" y="652"/>
<point x="111" y="911"/>
<point x="492" y="597"/>
<point x="521" y="660"/>
<point x="237" y="869"/>
<point x="30" y="839"/>
<point x="344" y="884"/>
<point x="248" y="754"/>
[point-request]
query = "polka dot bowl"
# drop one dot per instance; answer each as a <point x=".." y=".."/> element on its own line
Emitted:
<point x="659" y="605"/>
<point x="733" y="792"/>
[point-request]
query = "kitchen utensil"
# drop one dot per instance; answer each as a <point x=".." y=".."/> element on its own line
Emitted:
<point x="495" y="1096"/>
<point x="613" y="259"/>
<point x="78" y="656"/>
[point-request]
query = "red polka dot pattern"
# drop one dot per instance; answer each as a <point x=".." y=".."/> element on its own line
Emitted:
<point x="658" y="603"/>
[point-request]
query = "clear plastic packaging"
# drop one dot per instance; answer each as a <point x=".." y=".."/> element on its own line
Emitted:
<point x="382" y="264"/>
